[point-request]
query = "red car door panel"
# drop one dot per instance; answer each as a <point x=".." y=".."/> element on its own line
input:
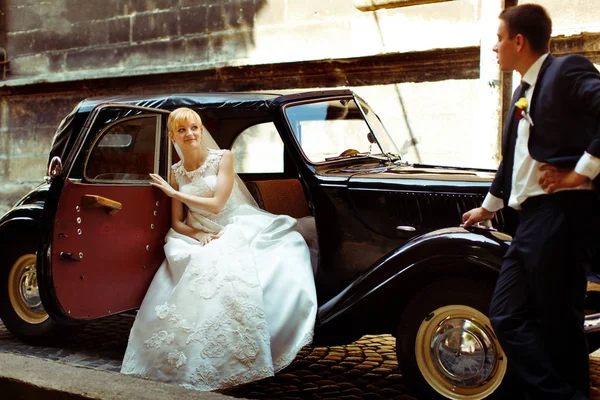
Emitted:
<point x="103" y="263"/>
<point x="109" y="227"/>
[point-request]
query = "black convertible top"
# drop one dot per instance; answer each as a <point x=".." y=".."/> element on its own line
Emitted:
<point x="247" y="101"/>
<point x="222" y="103"/>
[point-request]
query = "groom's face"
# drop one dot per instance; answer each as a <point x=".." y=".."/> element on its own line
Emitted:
<point x="506" y="48"/>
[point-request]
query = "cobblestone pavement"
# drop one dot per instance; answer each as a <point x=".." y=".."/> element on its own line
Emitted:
<point x="365" y="369"/>
<point x="101" y="345"/>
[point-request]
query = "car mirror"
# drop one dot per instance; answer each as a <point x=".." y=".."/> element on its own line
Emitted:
<point x="54" y="168"/>
<point x="371" y="138"/>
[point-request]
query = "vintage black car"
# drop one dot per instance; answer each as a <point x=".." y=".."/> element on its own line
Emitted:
<point x="392" y="256"/>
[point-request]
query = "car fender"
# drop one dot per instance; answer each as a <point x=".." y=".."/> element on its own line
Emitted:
<point x="21" y="218"/>
<point x="37" y="195"/>
<point x="392" y="281"/>
<point x="26" y="214"/>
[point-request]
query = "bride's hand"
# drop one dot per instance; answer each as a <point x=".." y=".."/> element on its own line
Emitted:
<point x="204" y="237"/>
<point x="163" y="185"/>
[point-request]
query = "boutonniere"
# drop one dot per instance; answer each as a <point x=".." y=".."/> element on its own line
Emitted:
<point x="521" y="112"/>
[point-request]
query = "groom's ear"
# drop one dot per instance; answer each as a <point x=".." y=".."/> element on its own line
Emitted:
<point x="520" y="40"/>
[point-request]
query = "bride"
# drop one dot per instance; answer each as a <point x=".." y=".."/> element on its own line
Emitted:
<point x="235" y="299"/>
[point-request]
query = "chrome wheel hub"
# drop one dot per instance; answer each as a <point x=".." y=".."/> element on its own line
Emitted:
<point x="458" y="353"/>
<point x="23" y="291"/>
<point x="28" y="288"/>
<point x="463" y="352"/>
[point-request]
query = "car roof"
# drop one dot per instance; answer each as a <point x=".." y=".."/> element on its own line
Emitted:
<point x="257" y="101"/>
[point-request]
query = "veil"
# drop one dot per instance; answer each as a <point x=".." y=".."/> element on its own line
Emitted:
<point x="239" y="187"/>
<point x="305" y="225"/>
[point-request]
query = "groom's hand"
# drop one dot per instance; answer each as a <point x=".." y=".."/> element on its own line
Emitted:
<point x="476" y="215"/>
<point x="557" y="178"/>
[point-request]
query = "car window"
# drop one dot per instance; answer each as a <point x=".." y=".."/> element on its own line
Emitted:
<point x="258" y="149"/>
<point x="124" y="152"/>
<point x="330" y="129"/>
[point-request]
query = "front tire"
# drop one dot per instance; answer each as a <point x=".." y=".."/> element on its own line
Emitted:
<point x="446" y="345"/>
<point x="21" y="308"/>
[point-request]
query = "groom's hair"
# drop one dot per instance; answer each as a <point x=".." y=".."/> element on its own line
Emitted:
<point x="182" y="115"/>
<point x="531" y="21"/>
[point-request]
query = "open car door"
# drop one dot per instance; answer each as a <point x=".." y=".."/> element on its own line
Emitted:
<point x="105" y="223"/>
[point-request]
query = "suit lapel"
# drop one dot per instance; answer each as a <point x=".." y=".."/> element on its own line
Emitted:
<point x="539" y="83"/>
<point x="509" y="122"/>
<point x="536" y="90"/>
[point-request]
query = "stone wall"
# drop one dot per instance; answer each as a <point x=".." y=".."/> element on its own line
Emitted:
<point x="62" y="51"/>
<point x="61" y="36"/>
<point x="404" y="61"/>
<point x="62" y="39"/>
<point x="27" y="125"/>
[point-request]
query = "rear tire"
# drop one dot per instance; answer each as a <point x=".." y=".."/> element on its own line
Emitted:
<point x="21" y="309"/>
<point x="445" y="343"/>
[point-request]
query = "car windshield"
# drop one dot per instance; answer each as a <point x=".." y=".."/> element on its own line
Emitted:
<point x="336" y="129"/>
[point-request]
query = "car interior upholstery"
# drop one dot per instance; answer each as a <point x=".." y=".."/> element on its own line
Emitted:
<point x="280" y="196"/>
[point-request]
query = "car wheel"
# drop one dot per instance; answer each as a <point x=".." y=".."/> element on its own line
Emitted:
<point x="21" y="308"/>
<point x="445" y="343"/>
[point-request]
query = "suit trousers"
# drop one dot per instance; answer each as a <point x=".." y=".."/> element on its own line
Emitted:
<point x="537" y="309"/>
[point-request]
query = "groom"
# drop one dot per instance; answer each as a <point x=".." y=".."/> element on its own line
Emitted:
<point x="551" y="155"/>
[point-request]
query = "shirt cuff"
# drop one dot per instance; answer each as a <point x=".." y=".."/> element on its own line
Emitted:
<point x="492" y="203"/>
<point x="588" y="165"/>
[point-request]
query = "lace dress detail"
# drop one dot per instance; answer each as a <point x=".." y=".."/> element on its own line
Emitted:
<point x="233" y="311"/>
<point x="198" y="182"/>
<point x="212" y="160"/>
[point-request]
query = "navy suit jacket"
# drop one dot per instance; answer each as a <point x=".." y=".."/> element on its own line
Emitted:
<point x="565" y="109"/>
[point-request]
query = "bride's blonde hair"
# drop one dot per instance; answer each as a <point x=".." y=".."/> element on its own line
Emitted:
<point x="182" y="115"/>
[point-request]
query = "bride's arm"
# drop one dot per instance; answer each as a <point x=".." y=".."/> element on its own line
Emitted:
<point x="212" y="204"/>
<point x="177" y="218"/>
<point x="225" y="178"/>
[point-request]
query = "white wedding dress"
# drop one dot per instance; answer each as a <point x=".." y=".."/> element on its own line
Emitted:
<point x="233" y="311"/>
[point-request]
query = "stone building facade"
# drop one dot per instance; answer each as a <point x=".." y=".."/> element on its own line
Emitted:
<point x="421" y="67"/>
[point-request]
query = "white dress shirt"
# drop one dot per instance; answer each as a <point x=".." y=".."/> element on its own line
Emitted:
<point x="526" y="173"/>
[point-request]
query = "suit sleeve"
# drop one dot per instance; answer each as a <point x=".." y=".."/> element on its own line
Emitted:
<point x="580" y="80"/>
<point x="496" y="188"/>
<point x="493" y="201"/>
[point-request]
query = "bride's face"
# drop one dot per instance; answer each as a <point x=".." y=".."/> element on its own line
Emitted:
<point x="187" y="133"/>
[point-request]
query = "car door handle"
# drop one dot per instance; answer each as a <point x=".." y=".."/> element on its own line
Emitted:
<point x="406" y="228"/>
<point x="90" y="200"/>
<point x="69" y="256"/>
